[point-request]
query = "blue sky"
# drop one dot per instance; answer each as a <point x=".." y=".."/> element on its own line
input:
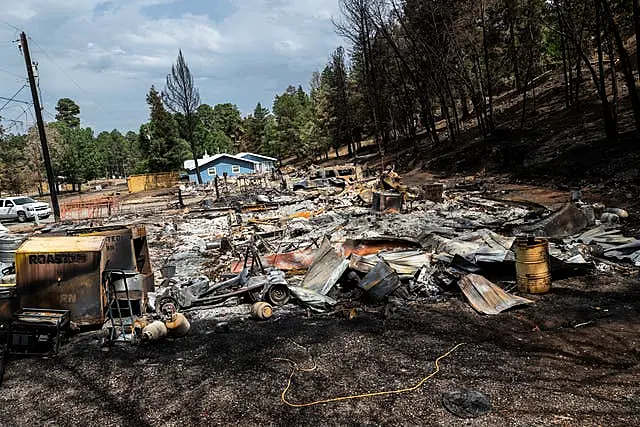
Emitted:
<point x="106" y="54"/>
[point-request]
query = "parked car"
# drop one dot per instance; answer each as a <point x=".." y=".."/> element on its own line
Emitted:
<point x="23" y="208"/>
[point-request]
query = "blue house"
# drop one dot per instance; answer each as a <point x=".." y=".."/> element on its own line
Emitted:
<point x="210" y="166"/>
<point x="266" y="163"/>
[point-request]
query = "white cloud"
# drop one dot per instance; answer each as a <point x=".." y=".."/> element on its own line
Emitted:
<point x="115" y="50"/>
<point x="190" y="30"/>
<point x="20" y="11"/>
<point x="287" y="46"/>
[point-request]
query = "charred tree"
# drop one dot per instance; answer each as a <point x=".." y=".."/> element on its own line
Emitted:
<point x="181" y="96"/>
<point x="625" y="61"/>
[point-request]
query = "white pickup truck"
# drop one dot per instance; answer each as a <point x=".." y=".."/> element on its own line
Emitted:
<point x="23" y="208"/>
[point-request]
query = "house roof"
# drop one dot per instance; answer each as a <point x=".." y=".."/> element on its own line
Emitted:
<point x="190" y="164"/>
<point x="256" y="155"/>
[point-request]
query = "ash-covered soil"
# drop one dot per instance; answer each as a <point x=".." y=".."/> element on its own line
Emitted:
<point x="572" y="359"/>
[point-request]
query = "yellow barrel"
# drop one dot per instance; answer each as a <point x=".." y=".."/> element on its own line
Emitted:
<point x="261" y="310"/>
<point x="532" y="265"/>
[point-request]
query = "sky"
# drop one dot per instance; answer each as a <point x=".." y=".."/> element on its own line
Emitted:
<point x="106" y="54"/>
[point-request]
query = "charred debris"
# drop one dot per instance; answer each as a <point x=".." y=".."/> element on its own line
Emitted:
<point x="328" y="242"/>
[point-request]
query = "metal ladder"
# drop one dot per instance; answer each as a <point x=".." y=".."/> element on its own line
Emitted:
<point x="112" y="299"/>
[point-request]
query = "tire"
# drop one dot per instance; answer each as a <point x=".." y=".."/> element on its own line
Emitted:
<point x="168" y="303"/>
<point x="278" y="295"/>
<point x="22" y="217"/>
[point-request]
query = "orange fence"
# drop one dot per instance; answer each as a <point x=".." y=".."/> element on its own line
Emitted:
<point x="89" y="209"/>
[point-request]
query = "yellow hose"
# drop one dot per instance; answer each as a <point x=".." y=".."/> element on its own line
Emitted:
<point x="295" y="367"/>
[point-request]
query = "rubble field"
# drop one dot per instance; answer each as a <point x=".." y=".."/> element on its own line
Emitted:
<point x="536" y="367"/>
<point x="565" y="357"/>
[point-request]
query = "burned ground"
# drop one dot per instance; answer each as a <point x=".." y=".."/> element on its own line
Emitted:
<point x="571" y="359"/>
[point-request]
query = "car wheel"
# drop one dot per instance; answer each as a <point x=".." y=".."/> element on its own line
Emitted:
<point x="278" y="295"/>
<point x="22" y="217"/>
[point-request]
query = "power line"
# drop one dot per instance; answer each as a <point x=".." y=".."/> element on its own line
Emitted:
<point x="13" y="97"/>
<point x="58" y="66"/>
<point x="11" y="25"/>
<point x="33" y="116"/>
<point x="49" y="113"/>
<point x="16" y="121"/>
<point x="17" y="30"/>
<point x="24" y="122"/>
<point x="97" y="104"/>
<point x="13" y="74"/>
<point x="13" y="106"/>
<point x="16" y="100"/>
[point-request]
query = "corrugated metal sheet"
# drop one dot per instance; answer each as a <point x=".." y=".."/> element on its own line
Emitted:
<point x="326" y="269"/>
<point x="286" y="261"/>
<point x="477" y="246"/>
<point x="402" y="262"/>
<point x="380" y="281"/>
<point x="406" y="262"/>
<point x="486" y="297"/>
<point x="374" y="245"/>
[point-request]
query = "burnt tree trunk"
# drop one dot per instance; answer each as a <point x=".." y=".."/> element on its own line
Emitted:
<point x="636" y="26"/>
<point x="614" y="78"/>
<point x="565" y="72"/>
<point x="625" y="61"/>
<point x="610" y="124"/>
<point x="489" y="77"/>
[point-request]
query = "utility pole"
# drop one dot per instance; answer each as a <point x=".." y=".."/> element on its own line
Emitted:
<point x="43" y="136"/>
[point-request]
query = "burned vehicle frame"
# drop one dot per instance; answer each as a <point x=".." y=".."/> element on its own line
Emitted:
<point x="332" y="176"/>
<point x="255" y="283"/>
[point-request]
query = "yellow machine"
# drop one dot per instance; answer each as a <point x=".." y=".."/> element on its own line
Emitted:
<point x="70" y="270"/>
<point x="63" y="272"/>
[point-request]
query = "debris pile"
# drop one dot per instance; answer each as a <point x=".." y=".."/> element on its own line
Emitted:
<point x="371" y="241"/>
<point x="340" y="242"/>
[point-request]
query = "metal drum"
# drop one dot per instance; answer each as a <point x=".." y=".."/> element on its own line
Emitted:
<point x="9" y="243"/>
<point x="532" y="265"/>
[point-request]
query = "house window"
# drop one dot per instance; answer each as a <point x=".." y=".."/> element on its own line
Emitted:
<point x="235" y="169"/>
<point x="212" y="171"/>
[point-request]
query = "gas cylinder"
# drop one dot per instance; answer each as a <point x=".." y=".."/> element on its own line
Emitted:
<point x="178" y="325"/>
<point x="261" y="310"/>
<point x="154" y="331"/>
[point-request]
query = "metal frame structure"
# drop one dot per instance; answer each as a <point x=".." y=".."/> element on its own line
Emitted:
<point x="32" y="324"/>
